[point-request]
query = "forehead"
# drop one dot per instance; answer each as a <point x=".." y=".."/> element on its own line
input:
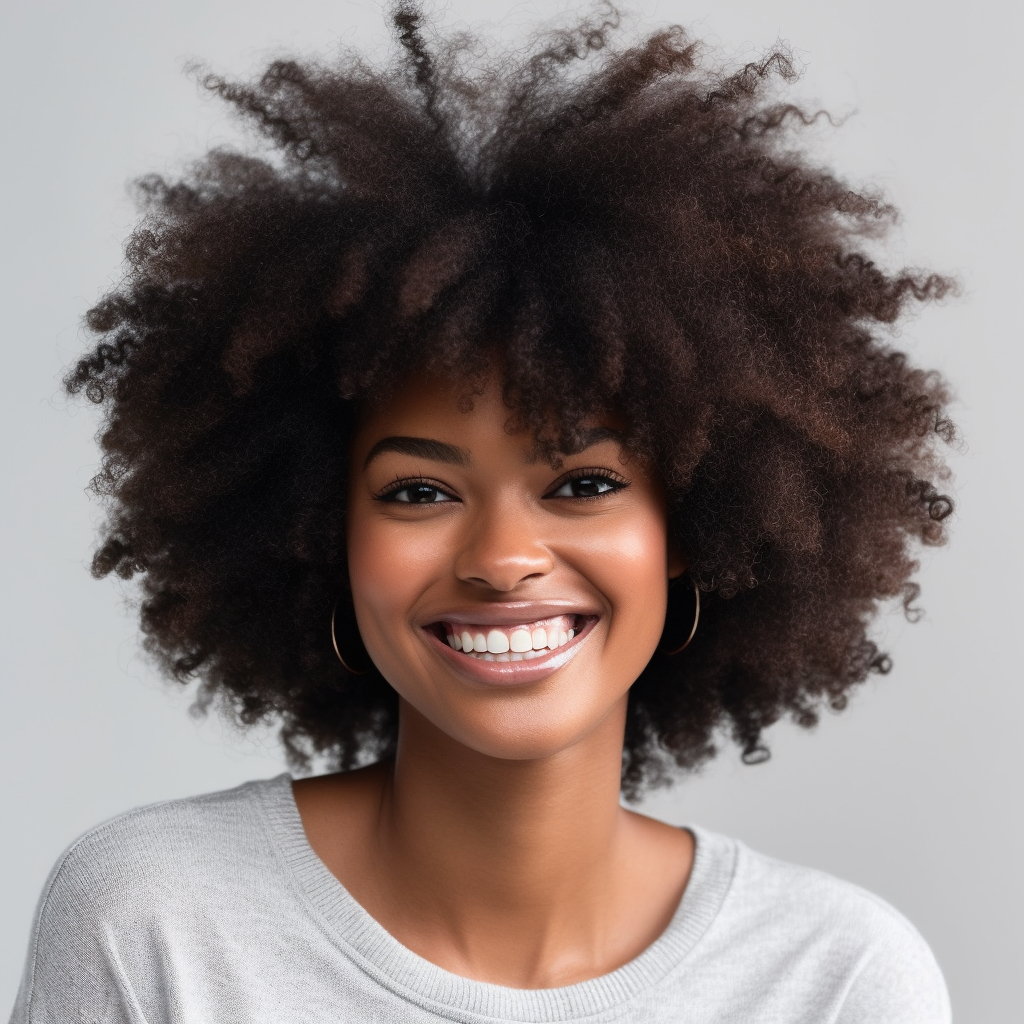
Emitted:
<point x="429" y="399"/>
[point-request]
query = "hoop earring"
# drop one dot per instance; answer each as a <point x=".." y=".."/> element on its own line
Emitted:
<point x="693" y="628"/>
<point x="337" y="650"/>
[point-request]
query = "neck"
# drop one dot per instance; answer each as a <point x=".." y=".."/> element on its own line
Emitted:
<point x="514" y="826"/>
<point x="524" y="873"/>
<point x="491" y="851"/>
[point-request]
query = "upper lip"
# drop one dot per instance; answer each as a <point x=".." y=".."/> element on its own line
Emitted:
<point x="510" y="613"/>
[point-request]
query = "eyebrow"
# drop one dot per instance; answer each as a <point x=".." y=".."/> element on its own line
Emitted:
<point x="588" y="437"/>
<point x="595" y="435"/>
<point x="420" y="447"/>
<point x="441" y="451"/>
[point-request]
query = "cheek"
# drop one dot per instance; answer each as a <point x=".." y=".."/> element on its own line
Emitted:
<point x="629" y="566"/>
<point x="374" y="565"/>
<point x="390" y="566"/>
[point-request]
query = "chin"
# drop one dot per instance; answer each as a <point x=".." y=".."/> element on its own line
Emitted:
<point x="534" y="730"/>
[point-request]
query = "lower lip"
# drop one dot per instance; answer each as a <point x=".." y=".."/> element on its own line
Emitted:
<point x="511" y="673"/>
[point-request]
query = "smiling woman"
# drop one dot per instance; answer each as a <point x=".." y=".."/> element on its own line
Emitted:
<point x="510" y="436"/>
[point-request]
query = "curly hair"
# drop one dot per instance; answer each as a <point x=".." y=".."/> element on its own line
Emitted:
<point x="633" y="227"/>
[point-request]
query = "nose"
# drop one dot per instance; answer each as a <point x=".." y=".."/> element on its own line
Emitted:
<point x="501" y="548"/>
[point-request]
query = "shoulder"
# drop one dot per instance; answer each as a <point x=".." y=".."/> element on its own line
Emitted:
<point x="140" y="857"/>
<point x="130" y="886"/>
<point x="817" y="899"/>
<point x="845" y="945"/>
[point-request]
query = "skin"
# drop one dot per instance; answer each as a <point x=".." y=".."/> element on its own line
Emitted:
<point x="494" y="844"/>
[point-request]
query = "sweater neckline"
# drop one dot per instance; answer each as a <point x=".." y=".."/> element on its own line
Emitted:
<point x="397" y="968"/>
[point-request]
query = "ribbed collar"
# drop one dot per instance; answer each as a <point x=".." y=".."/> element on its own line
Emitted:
<point x="420" y="982"/>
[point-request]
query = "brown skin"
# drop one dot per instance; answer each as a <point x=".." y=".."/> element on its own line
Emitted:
<point x="494" y="844"/>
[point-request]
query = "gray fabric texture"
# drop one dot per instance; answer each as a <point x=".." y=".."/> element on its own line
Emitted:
<point x="216" y="909"/>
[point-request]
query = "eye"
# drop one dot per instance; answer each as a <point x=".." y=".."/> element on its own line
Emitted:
<point x="415" y="492"/>
<point x="587" y="484"/>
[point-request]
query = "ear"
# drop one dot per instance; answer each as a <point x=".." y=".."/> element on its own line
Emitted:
<point x="677" y="561"/>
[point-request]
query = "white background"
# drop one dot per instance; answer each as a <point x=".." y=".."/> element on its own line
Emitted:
<point x="914" y="792"/>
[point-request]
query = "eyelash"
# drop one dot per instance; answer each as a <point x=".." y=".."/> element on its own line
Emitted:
<point x="594" y="473"/>
<point x="403" y="483"/>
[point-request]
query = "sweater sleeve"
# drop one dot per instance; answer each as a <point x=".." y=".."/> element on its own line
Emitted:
<point x="73" y="970"/>
<point x="900" y="983"/>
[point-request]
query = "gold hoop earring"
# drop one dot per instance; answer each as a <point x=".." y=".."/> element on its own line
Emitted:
<point x="693" y="628"/>
<point x="337" y="650"/>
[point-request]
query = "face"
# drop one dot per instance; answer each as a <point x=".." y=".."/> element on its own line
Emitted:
<point x="510" y="603"/>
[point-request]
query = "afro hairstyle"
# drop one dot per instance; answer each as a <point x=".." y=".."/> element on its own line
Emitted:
<point x="633" y="226"/>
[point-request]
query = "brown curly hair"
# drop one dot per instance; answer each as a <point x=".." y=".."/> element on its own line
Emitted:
<point x="633" y="228"/>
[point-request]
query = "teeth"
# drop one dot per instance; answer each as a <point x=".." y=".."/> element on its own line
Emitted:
<point x="522" y="643"/>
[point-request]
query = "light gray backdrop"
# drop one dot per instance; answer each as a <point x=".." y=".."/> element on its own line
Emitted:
<point x="914" y="792"/>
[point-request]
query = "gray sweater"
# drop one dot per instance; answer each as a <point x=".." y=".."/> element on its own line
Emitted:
<point x="216" y="909"/>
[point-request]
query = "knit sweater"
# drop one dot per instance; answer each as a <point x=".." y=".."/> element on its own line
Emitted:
<point x="216" y="909"/>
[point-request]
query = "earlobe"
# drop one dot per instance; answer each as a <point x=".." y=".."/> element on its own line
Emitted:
<point x="677" y="562"/>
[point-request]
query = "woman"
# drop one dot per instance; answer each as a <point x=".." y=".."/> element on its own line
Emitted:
<point x="509" y="433"/>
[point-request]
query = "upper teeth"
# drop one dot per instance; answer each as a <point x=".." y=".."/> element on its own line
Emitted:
<point x="515" y="642"/>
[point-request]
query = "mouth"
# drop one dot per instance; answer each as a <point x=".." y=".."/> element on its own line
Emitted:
<point x="524" y="652"/>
